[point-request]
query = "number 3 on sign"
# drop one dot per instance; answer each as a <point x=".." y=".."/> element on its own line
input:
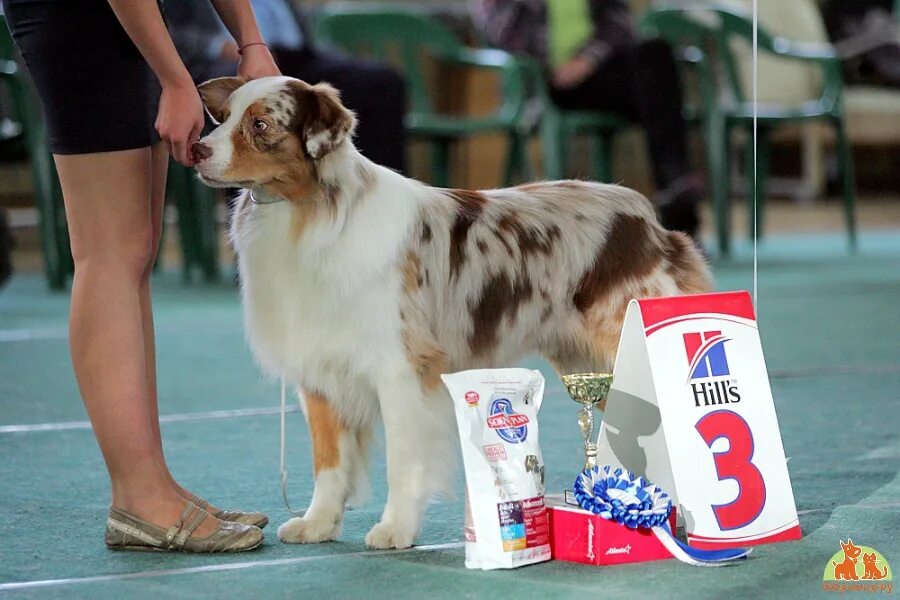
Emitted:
<point x="734" y="463"/>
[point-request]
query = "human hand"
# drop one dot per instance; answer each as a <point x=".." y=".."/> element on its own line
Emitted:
<point x="229" y="52"/>
<point x="573" y="72"/>
<point x="256" y="62"/>
<point x="180" y="119"/>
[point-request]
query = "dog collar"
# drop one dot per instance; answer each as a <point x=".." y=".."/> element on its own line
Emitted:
<point x="255" y="201"/>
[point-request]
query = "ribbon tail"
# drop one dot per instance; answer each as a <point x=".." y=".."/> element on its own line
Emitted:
<point x="695" y="556"/>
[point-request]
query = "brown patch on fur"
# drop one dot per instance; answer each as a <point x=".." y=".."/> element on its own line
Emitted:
<point x="547" y="309"/>
<point x="530" y="240"/>
<point x="318" y="110"/>
<point x="412" y="273"/>
<point x="326" y="428"/>
<point x="427" y="358"/>
<point x="426" y="233"/>
<point x="500" y="297"/>
<point x="686" y="265"/>
<point x="215" y="94"/>
<point x="470" y="206"/>
<point x="631" y="250"/>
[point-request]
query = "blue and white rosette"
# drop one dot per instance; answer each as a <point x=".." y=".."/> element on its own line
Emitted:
<point x="623" y="497"/>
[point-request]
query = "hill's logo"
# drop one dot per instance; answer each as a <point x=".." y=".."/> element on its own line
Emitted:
<point x="707" y="366"/>
<point x="706" y="354"/>
<point x="512" y="427"/>
<point x="857" y="569"/>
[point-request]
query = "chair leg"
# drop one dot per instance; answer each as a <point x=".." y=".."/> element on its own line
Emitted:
<point x="207" y="228"/>
<point x="553" y="146"/>
<point x="514" y="164"/>
<point x="62" y="226"/>
<point x="601" y="154"/>
<point x="440" y="162"/>
<point x="527" y="173"/>
<point x="718" y="134"/>
<point x="180" y="190"/>
<point x="54" y="242"/>
<point x="756" y="180"/>
<point x="518" y="163"/>
<point x="848" y="180"/>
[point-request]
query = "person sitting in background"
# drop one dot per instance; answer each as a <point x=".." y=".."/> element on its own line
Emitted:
<point x="865" y="33"/>
<point x="595" y="61"/>
<point x="375" y="92"/>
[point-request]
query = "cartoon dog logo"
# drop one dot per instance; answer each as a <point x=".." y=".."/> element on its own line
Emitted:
<point x="847" y="569"/>
<point x="844" y="564"/>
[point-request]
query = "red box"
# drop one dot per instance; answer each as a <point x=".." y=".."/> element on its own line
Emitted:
<point x="577" y="535"/>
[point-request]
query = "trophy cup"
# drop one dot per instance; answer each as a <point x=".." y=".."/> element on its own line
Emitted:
<point x="589" y="390"/>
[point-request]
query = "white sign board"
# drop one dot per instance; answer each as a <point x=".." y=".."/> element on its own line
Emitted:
<point x="692" y="410"/>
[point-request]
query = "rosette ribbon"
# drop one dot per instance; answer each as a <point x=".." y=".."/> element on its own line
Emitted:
<point x="623" y="497"/>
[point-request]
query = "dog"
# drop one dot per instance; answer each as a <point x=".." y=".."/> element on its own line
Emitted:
<point x="361" y="287"/>
<point x="847" y="569"/>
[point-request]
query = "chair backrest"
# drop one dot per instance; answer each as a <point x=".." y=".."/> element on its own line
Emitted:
<point x="408" y="37"/>
<point x="780" y="80"/>
<point x="725" y="27"/>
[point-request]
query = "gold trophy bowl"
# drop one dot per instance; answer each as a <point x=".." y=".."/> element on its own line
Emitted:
<point x="589" y="390"/>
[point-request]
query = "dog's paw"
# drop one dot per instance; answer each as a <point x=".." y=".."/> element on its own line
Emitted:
<point x="390" y="535"/>
<point x="308" y="531"/>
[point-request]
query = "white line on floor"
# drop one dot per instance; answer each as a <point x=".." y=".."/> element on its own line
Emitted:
<point x="176" y="418"/>
<point x="832" y="508"/>
<point x="21" y="585"/>
<point x="28" y="335"/>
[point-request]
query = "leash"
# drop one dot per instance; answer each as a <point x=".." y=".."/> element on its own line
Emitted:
<point x="284" y="473"/>
<point x="618" y="495"/>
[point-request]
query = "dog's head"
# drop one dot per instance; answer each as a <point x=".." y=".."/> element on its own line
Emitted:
<point x="270" y="133"/>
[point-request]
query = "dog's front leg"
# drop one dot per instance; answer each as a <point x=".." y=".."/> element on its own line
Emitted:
<point x="335" y="452"/>
<point x="419" y="436"/>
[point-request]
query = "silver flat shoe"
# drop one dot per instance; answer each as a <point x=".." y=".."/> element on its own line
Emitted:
<point x="125" y="531"/>
<point x="257" y="519"/>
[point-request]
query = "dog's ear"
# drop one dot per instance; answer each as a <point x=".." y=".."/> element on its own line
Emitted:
<point x="215" y="94"/>
<point x="322" y="121"/>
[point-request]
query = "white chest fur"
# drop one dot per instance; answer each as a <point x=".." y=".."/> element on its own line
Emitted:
<point x="322" y="311"/>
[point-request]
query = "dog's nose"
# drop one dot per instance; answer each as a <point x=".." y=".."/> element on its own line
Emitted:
<point x="200" y="151"/>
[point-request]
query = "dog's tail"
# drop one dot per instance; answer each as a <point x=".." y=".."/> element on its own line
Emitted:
<point x="686" y="264"/>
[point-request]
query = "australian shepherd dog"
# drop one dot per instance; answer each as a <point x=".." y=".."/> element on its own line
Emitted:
<point x="361" y="287"/>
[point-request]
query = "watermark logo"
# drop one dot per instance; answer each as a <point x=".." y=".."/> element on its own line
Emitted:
<point x="857" y="569"/>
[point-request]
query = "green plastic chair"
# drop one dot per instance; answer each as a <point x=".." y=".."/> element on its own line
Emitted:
<point x="709" y="30"/>
<point x="26" y="139"/>
<point x="382" y="32"/>
<point x="557" y="126"/>
<point x="198" y="228"/>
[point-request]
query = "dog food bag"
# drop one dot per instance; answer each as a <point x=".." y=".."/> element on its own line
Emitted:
<point x="507" y="524"/>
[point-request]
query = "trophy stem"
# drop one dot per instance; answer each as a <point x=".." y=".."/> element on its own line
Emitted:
<point x="587" y="432"/>
<point x="589" y="390"/>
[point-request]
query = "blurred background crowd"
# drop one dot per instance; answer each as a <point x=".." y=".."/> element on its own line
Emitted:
<point x="483" y="93"/>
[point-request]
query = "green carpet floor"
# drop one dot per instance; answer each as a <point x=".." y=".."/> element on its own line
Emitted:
<point x="829" y="324"/>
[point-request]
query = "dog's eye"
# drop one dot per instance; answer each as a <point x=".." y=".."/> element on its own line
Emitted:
<point x="260" y="125"/>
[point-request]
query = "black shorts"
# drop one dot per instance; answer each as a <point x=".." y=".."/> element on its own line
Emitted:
<point x="98" y="93"/>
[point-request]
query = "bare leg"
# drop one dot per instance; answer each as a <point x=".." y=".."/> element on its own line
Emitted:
<point x="159" y="163"/>
<point x="108" y="207"/>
